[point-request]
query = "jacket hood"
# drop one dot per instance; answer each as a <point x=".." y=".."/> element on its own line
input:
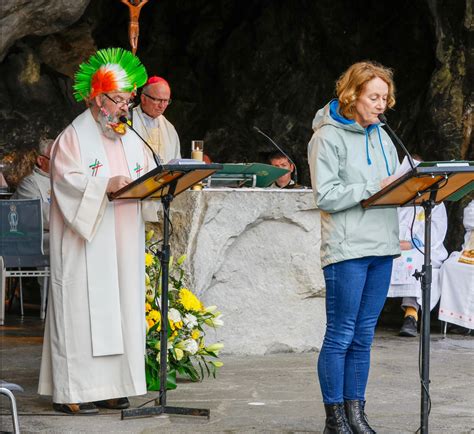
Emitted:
<point x="330" y="115"/>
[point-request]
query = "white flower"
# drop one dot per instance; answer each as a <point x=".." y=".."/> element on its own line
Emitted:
<point x="150" y="294"/>
<point x="215" y="321"/>
<point x="215" y="348"/>
<point x="191" y="346"/>
<point x="190" y="321"/>
<point x="174" y="315"/>
<point x="179" y="353"/>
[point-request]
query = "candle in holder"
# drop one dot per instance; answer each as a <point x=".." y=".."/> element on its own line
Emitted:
<point x="197" y="150"/>
<point x="197" y="153"/>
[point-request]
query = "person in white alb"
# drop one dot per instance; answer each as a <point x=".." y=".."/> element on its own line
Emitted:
<point x="93" y="349"/>
<point x="457" y="280"/>
<point x="403" y="283"/>
<point x="37" y="185"/>
<point x="150" y="122"/>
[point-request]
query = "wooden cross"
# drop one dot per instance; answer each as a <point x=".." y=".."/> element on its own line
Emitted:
<point x="134" y="7"/>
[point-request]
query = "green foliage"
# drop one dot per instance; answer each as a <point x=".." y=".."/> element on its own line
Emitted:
<point x="188" y="321"/>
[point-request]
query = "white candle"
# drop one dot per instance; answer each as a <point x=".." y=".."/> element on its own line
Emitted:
<point x="197" y="155"/>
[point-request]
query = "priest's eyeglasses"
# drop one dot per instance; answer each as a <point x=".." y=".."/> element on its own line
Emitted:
<point x="124" y="103"/>
<point x="158" y="100"/>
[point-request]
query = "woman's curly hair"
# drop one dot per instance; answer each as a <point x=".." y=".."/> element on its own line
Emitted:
<point x="352" y="81"/>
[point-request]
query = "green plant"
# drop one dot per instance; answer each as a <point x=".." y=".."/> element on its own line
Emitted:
<point x="188" y="321"/>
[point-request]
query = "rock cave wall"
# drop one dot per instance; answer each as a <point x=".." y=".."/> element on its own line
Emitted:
<point x="233" y="65"/>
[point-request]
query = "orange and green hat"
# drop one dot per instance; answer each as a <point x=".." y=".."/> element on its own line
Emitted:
<point x="108" y="70"/>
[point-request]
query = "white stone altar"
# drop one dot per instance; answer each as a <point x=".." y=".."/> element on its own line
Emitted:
<point x="255" y="254"/>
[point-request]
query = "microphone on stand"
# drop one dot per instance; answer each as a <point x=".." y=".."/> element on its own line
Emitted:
<point x="125" y="120"/>
<point x="281" y="150"/>
<point x="383" y="118"/>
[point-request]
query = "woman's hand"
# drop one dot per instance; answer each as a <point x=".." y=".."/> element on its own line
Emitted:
<point x="387" y="180"/>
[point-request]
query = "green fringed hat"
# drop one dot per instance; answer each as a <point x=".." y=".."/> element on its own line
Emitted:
<point x="109" y="70"/>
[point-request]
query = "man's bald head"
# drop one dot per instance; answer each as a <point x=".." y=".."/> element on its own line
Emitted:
<point x="155" y="97"/>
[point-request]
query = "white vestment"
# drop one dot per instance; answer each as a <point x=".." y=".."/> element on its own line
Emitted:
<point x="95" y="326"/>
<point x="457" y="282"/>
<point x="159" y="133"/>
<point x="402" y="283"/>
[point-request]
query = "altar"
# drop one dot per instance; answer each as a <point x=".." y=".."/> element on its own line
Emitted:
<point x="255" y="254"/>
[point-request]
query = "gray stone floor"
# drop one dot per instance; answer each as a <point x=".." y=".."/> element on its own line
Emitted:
<point x="272" y="393"/>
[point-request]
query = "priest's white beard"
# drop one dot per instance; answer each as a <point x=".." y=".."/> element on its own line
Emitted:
<point x="104" y="123"/>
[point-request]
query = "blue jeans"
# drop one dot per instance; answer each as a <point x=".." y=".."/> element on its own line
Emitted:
<point x="355" y="294"/>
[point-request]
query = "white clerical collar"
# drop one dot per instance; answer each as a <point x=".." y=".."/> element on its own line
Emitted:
<point x="149" y="121"/>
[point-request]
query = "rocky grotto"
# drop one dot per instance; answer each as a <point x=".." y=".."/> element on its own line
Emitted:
<point x="234" y="64"/>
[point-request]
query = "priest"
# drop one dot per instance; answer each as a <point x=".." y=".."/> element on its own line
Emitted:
<point x="150" y="122"/>
<point x="93" y="351"/>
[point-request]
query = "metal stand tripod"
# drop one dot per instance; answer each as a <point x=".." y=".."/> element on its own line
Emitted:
<point x="426" y="279"/>
<point x="160" y="406"/>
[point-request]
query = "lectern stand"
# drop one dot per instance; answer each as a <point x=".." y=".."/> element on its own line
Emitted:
<point x="165" y="183"/>
<point x="426" y="185"/>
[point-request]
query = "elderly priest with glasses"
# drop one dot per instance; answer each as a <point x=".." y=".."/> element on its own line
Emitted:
<point x="93" y="350"/>
<point x="151" y="124"/>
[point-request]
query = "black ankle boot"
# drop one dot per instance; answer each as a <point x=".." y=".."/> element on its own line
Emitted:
<point x="357" y="418"/>
<point x="336" y="420"/>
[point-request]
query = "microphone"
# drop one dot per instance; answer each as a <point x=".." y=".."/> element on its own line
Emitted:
<point x="125" y="120"/>
<point x="392" y="134"/>
<point x="281" y="150"/>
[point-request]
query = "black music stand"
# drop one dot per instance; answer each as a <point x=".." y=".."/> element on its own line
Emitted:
<point x="426" y="185"/>
<point x="165" y="183"/>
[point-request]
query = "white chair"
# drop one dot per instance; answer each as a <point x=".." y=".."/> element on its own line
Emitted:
<point x="6" y="389"/>
<point x="21" y="246"/>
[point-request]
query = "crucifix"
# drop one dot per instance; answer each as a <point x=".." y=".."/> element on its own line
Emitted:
<point x="134" y="7"/>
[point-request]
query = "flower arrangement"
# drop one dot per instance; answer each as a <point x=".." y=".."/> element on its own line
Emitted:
<point x="188" y="320"/>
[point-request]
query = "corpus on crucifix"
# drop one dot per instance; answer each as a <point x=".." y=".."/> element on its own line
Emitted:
<point x="134" y="7"/>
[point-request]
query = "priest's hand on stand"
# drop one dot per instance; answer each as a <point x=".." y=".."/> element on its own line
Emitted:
<point x="117" y="182"/>
<point x="406" y="245"/>
<point x="388" y="180"/>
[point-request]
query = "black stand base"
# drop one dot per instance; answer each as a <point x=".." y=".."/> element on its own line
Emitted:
<point x="160" y="409"/>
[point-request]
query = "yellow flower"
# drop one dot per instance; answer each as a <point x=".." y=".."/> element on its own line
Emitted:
<point x="148" y="259"/>
<point x="217" y="364"/>
<point x="147" y="307"/>
<point x="149" y="234"/>
<point x="189" y="301"/>
<point x="195" y="333"/>
<point x="155" y="315"/>
<point x="175" y="325"/>
<point x="150" y="323"/>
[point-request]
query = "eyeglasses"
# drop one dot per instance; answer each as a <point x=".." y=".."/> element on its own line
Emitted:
<point x="158" y="100"/>
<point x="127" y="103"/>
